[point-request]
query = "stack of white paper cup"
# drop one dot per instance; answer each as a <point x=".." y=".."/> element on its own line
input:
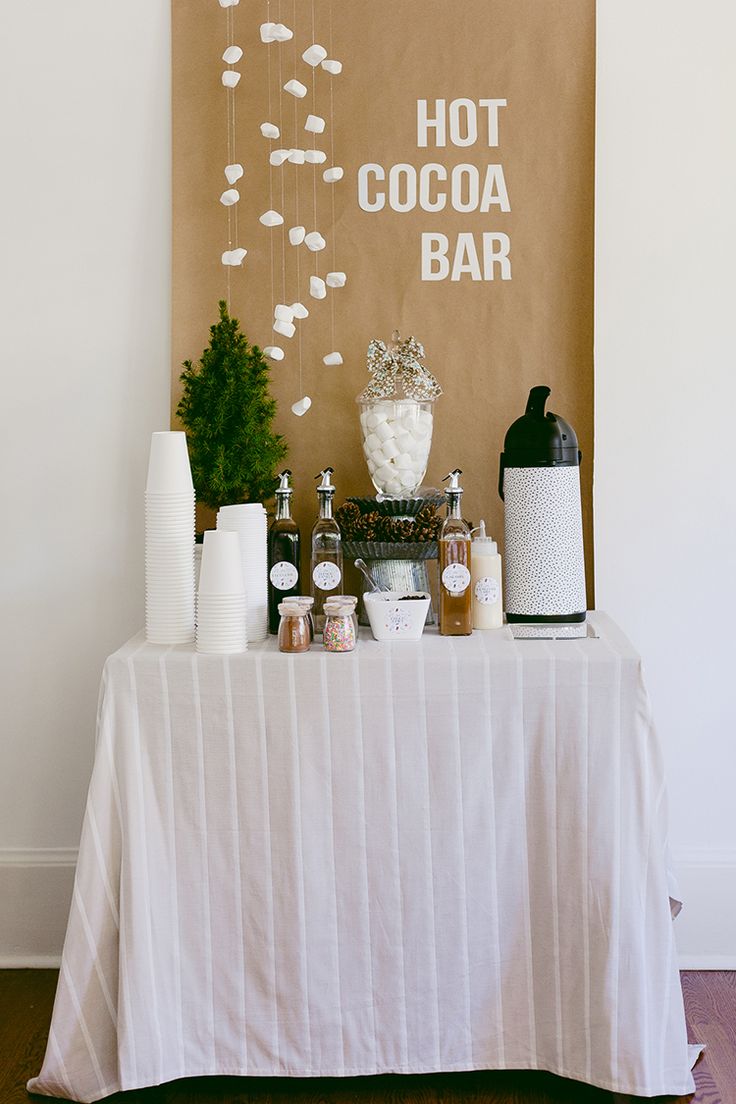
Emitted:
<point x="169" y="541"/>
<point x="248" y="520"/>
<point x="221" y="597"/>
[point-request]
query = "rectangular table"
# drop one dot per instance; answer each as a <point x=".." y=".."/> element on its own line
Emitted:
<point x="448" y="855"/>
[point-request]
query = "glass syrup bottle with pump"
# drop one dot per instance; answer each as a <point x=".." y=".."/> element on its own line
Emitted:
<point x="326" y="562"/>
<point x="456" y="610"/>
<point x="283" y="553"/>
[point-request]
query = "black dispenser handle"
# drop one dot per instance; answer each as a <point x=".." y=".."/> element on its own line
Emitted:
<point x="537" y="398"/>
<point x="500" y="477"/>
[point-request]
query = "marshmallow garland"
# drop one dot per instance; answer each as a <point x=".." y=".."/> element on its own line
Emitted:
<point x="234" y="255"/>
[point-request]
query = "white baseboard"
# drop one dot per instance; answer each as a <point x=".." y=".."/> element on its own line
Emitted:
<point x="35" y="893"/>
<point x="36" y="889"/>
<point x="705" y="930"/>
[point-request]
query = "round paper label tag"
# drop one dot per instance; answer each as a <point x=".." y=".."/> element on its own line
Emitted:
<point x="487" y="590"/>
<point x="326" y="575"/>
<point x="456" y="578"/>
<point x="283" y="575"/>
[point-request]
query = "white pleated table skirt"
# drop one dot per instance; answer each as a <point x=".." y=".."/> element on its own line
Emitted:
<point x="408" y="858"/>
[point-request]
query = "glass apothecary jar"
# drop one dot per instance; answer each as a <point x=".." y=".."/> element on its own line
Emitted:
<point x="397" y="437"/>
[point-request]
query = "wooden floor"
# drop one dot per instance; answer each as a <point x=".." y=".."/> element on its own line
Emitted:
<point x="26" y="997"/>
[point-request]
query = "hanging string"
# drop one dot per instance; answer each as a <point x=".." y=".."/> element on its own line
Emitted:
<point x="283" y="173"/>
<point x="332" y="186"/>
<point x="270" y="166"/>
<point x="314" y="143"/>
<point x="229" y="94"/>
<point x="234" y="146"/>
<point x="297" y="175"/>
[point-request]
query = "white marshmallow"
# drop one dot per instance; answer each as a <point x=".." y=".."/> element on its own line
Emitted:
<point x="380" y="414"/>
<point x="331" y="176"/>
<point x="335" y="279"/>
<point x="404" y="440"/>
<point x="421" y="430"/>
<point x="407" y="480"/>
<point x="379" y="458"/>
<point x="283" y="313"/>
<point x="314" y="54"/>
<point x="315" y="124"/>
<point x="371" y="465"/>
<point x="230" y="78"/>
<point x="363" y="417"/>
<point x="296" y="235"/>
<point x="271" y="218"/>
<point x="232" y="55"/>
<point x="232" y="195"/>
<point x="317" y="287"/>
<point x="384" y="431"/>
<point x="296" y="156"/>
<point x="332" y="359"/>
<point x="278" y="156"/>
<point x="286" y="329"/>
<point x="314" y="241"/>
<point x="331" y="66"/>
<point x="372" y="442"/>
<point x="270" y="130"/>
<point x="390" y="449"/>
<point x="234" y="256"/>
<point x="273" y="352"/>
<point x="296" y="88"/>
<point x="299" y="310"/>
<point x="403" y="460"/>
<point x="385" y="472"/>
<point x="371" y="420"/>
<point x="302" y="406"/>
<point x="315" y="156"/>
<point x="267" y="34"/>
<point x="425" y="417"/>
<point x="393" y="486"/>
<point x="281" y="33"/>
<point x="233" y="173"/>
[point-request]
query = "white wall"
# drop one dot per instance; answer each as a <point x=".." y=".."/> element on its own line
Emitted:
<point x="665" y="505"/>
<point x="84" y="306"/>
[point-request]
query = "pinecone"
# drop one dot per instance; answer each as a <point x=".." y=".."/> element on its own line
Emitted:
<point x="385" y="528"/>
<point x="428" y="524"/>
<point x="348" y="518"/>
<point x="368" y="525"/>
<point x="403" y="529"/>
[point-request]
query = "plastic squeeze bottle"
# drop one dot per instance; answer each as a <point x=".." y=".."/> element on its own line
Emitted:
<point x="485" y="581"/>
<point x="456" y="614"/>
<point x="326" y="562"/>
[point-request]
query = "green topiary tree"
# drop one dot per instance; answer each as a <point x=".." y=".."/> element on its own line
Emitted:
<point x="227" y="412"/>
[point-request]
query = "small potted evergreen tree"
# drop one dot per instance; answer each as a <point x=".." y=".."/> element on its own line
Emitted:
<point x="227" y="412"/>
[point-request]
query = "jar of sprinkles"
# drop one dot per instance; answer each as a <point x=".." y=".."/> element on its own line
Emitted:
<point x="339" y="633"/>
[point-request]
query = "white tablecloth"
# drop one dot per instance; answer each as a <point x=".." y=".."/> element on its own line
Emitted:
<point x="443" y="856"/>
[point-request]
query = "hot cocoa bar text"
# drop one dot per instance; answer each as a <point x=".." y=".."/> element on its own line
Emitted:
<point x="433" y="187"/>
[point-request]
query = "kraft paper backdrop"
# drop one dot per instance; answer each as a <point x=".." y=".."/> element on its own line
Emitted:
<point x="487" y="341"/>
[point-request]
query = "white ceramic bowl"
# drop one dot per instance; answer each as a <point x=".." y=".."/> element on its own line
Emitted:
<point x="392" y="617"/>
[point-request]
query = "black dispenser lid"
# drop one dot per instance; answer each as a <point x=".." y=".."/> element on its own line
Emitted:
<point x="540" y="440"/>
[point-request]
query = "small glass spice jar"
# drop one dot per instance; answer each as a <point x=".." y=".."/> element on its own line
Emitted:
<point x="294" y="634"/>
<point x="339" y="634"/>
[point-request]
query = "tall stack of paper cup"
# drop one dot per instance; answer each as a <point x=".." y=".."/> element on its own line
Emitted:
<point x="248" y="520"/>
<point x="221" y="597"/>
<point x="169" y="541"/>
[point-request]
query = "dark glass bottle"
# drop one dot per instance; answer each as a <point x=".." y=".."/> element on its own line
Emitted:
<point x="284" y="572"/>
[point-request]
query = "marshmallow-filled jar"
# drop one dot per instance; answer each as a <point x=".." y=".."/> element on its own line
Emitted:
<point x="397" y="436"/>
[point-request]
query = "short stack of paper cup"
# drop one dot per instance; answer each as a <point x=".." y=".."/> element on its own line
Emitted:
<point x="221" y="596"/>
<point x="248" y="520"/>
<point x="169" y="541"/>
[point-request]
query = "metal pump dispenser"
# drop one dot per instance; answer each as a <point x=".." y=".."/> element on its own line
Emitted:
<point x="283" y="552"/>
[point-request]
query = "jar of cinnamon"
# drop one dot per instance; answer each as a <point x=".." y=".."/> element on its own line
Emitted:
<point x="294" y="633"/>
